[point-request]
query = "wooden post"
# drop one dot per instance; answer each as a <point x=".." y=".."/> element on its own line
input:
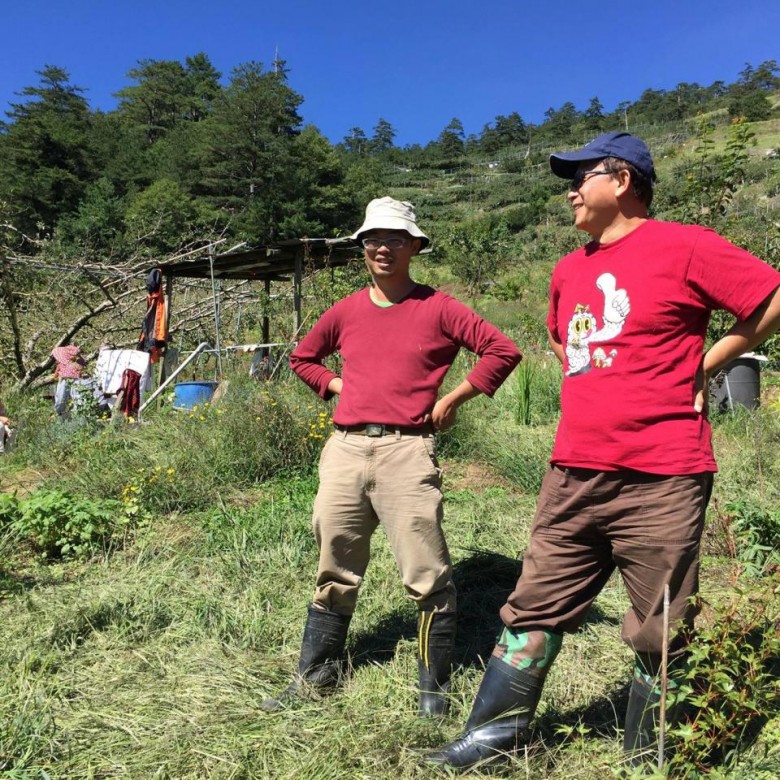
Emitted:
<point x="297" y="296"/>
<point x="215" y="299"/>
<point x="266" y="320"/>
<point x="168" y="299"/>
<point x="664" y="682"/>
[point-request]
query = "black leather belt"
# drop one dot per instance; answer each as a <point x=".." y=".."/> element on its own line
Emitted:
<point x="377" y="429"/>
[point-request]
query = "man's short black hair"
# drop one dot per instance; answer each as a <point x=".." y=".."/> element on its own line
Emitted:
<point x="641" y="183"/>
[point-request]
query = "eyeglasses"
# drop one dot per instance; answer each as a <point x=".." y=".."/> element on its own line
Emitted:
<point x="581" y="176"/>
<point x="390" y="243"/>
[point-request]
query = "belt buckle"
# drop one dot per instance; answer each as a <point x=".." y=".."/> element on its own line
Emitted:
<point x="375" y="430"/>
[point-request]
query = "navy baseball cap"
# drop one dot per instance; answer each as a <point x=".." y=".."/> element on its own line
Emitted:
<point x="624" y="146"/>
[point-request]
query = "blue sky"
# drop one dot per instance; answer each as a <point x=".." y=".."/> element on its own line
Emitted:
<point x="416" y="64"/>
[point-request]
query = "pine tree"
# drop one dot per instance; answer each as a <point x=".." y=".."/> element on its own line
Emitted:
<point x="45" y="157"/>
<point x="246" y="149"/>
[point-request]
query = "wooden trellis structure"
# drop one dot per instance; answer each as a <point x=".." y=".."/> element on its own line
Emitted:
<point x="284" y="261"/>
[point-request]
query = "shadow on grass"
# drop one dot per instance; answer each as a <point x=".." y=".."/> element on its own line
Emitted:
<point x="13" y="584"/>
<point x="377" y="646"/>
<point x="484" y="579"/>
<point x="604" y="717"/>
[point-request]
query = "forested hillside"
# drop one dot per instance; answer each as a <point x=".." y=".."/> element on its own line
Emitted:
<point x="154" y="576"/>
<point x="90" y="199"/>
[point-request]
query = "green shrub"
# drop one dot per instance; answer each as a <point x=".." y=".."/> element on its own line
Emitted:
<point x="9" y="510"/>
<point x="58" y="524"/>
<point x="730" y="685"/>
<point x="756" y="536"/>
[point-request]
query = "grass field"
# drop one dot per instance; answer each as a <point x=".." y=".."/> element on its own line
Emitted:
<point x="149" y="659"/>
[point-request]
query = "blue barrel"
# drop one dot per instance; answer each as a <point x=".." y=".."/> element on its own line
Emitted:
<point x="189" y="394"/>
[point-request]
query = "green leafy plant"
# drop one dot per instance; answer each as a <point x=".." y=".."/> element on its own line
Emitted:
<point x="60" y="524"/>
<point x="9" y="510"/>
<point x="730" y="684"/>
<point x="755" y="533"/>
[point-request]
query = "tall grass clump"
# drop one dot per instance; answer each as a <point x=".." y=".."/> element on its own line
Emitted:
<point x="490" y="431"/>
<point x="186" y="460"/>
<point x="537" y="389"/>
<point x="746" y="445"/>
<point x="517" y="453"/>
<point x="525" y="374"/>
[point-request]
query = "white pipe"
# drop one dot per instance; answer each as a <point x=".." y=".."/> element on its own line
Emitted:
<point x="200" y="348"/>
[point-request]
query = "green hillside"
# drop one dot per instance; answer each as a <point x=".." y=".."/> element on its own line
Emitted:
<point x="89" y="201"/>
<point x="154" y="577"/>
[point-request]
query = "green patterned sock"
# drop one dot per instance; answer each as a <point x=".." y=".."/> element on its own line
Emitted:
<point x="528" y="649"/>
<point x="652" y="681"/>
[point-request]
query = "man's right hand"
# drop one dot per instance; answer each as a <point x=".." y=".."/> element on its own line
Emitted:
<point x="336" y="385"/>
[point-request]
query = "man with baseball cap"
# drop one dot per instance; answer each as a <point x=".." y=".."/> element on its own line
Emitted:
<point x="397" y="339"/>
<point x="631" y="469"/>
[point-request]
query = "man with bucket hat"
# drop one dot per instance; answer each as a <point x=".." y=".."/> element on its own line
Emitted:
<point x="397" y="339"/>
<point x="631" y="469"/>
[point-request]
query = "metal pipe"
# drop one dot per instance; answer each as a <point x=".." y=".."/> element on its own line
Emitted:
<point x="200" y="348"/>
<point x="216" y="308"/>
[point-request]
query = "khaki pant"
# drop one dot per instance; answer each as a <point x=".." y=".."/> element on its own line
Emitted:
<point x="395" y="481"/>
<point x="587" y="524"/>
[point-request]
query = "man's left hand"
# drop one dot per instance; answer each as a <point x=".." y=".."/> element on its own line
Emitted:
<point x="443" y="414"/>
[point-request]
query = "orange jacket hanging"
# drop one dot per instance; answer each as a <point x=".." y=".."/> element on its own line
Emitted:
<point x="154" y="335"/>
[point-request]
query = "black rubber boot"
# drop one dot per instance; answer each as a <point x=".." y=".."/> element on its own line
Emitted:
<point x="500" y="718"/>
<point x="320" y="665"/>
<point x="435" y="640"/>
<point x="640" y="736"/>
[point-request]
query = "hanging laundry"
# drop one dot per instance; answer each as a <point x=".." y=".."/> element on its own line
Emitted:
<point x="76" y="394"/>
<point x="154" y="335"/>
<point x="111" y="365"/>
<point x="129" y="399"/>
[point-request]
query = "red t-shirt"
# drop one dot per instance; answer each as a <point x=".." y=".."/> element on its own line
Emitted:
<point x="395" y="358"/>
<point x="632" y="317"/>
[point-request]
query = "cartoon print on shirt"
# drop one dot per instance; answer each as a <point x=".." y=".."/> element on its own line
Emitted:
<point x="601" y="359"/>
<point x="582" y="330"/>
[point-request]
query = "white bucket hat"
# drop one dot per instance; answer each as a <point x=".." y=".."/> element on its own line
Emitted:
<point x="390" y="214"/>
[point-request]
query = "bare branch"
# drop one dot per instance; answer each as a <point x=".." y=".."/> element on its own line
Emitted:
<point x="11" y="307"/>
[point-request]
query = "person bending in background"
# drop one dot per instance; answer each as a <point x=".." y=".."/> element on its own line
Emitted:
<point x="397" y="339"/>
<point x="5" y="430"/>
<point x="632" y="465"/>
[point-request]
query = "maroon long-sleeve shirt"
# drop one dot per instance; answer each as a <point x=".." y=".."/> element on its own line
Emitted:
<point x="395" y="358"/>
